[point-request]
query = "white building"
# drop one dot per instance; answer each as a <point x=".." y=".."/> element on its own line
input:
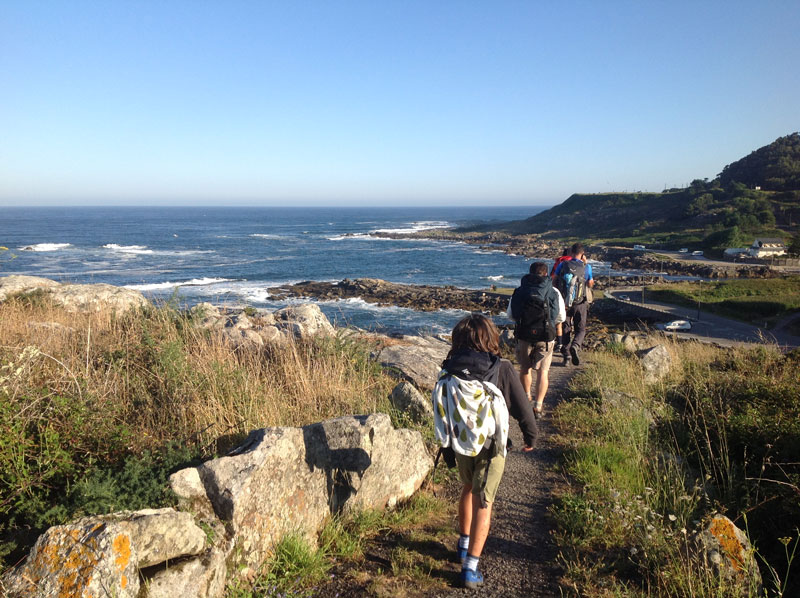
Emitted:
<point x="767" y="248"/>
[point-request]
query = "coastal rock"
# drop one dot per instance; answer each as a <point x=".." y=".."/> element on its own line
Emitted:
<point x="656" y="363"/>
<point x="630" y="343"/>
<point x="409" y="400"/>
<point x="16" y="284"/>
<point x="303" y="321"/>
<point x="206" y="315"/>
<point x="726" y="550"/>
<point x="83" y="298"/>
<point x="381" y="292"/>
<point x="161" y="535"/>
<point x="88" y="298"/>
<point x="284" y="480"/>
<point x="203" y="577"/>
<point x="415" y="358"/>
<point x="100" y="556"/>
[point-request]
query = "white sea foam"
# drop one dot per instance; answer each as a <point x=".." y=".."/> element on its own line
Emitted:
<point x="498" y="277"/>
<point x="267" y="236"/>
<point x="45" y="247"/>
<point x="195" y="282"/>
<point x="416" y="227"/>
<point x="135" y="249"/>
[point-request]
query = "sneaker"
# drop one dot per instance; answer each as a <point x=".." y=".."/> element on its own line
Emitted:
<point x="462" y="554"/>
<point x="566" y="359"/>
<point x="471" y="579"/>
<point x="575" y="359"/>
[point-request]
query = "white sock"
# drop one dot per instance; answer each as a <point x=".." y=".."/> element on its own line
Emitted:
<point x="463" y="542"/>
<point x="471" y="563"/>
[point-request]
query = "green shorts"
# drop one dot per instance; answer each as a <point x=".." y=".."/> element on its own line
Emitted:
<point x="473" y="470"/>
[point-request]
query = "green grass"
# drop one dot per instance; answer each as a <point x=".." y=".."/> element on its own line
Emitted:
<point x="749" y="300"/>
<point x="720" y="433"/>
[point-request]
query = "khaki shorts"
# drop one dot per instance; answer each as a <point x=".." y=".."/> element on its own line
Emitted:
<point x="537" y="356"/>
<point x="472" y="470"/>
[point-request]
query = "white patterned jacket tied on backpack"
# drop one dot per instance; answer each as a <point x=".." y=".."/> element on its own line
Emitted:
<point x="467" y="414"/>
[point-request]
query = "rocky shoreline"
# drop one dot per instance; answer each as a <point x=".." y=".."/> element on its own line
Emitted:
<point x="533" y="246"/>
<point x="383" y="293"/>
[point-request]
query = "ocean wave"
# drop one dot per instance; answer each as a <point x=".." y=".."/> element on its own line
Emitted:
<point x="135" y="249"/>
<point x="195" y="282"/>
<point x="498" y="277"/>
<point x="267" y="236"/>
<point x="416" y="227"/>
<point x="45" y="247"/>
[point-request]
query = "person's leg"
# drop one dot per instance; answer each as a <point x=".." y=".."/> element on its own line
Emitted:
<point x="486" y="480"/>
<point x="543" y="356"/>
<point x="579" y="325"/>
<point x="524" y="360"/>
<point x="466" y="510"/>
<point x="565" y="337"/>
<point x="481" y="519"/>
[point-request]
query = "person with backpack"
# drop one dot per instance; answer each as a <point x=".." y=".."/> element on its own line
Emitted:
<point x="538" y="311"/>
<point x="574" y="280"/>
<point x="475" y="393"/>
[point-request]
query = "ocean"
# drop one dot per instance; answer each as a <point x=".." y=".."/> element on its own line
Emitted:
<point x="231" y="256"/>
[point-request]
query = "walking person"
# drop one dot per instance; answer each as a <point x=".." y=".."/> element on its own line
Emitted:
<point x="573" y="278"/>
<point x="538" y="311"/>
<point x="475" y="393"/>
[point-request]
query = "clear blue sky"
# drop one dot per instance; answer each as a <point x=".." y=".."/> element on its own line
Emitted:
<point x="341" y="103"/>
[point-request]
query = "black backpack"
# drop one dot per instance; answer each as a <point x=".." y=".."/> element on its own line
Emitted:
<point x="535" y="326"/>
<point x="571" y="282"/>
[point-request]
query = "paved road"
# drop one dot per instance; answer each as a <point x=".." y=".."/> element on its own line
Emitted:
<point x="707" y="326"/>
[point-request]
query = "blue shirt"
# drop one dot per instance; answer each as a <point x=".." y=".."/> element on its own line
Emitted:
<point x="587" y="269"/>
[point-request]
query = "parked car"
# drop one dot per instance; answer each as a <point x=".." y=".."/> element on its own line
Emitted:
<point x="677" y="325"/>
<point x="624" y="298"/>
<point x="697" y="253"/>
<point x="683" y="250"/>
<point x="638" y="247"/>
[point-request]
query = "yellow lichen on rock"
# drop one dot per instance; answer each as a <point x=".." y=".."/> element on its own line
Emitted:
<point x="723" y="530"/>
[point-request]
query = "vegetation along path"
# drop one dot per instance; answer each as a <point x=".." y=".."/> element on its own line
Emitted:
<point x="519" y="559"/>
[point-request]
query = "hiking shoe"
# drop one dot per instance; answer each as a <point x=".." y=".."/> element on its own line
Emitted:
<point x="566" y="359"/>
<point x="462" y="554"/>
<point x="471" y="579"/>
<point x="575" y="359"/>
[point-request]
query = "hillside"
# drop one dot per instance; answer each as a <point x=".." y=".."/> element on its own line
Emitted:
<point x="729" y="210"/>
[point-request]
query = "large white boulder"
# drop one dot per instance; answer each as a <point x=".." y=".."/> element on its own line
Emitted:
<point x="289" y="480"/>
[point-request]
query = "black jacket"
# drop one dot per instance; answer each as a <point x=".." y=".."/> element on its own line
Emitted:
<point x="540" y="286"/>
<point x="468" y="364"/>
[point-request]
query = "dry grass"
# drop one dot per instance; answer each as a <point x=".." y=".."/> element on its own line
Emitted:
<point x="95" y="410"/>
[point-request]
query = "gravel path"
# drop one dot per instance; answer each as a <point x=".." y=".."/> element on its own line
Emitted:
<point x="519" y="559"/>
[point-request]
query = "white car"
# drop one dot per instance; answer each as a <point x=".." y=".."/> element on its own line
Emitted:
<point x="624" y="298"/>
<point x="677" y="325"/>
<point x="697" y="253"/>
<point x="683" y="250"/>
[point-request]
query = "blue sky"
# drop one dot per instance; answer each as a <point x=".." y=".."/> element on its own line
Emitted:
<point x="377" y="102"/>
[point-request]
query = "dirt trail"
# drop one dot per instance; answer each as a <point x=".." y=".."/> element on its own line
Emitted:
<point x="519" y="559"/>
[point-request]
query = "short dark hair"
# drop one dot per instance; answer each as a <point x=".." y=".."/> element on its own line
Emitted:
<point x="538" y="269"/>
<point x="577" y="249"/>
<point x="476" y="332"/>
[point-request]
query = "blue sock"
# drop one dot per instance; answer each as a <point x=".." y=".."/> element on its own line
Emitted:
<point x="471" y="563"/>
<point x="463" y="542"/>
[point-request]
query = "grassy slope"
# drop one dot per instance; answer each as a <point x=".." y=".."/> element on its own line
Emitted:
<point x="96" y="414"/>
<point x="749" y="300"/>
<point x="721" y="432"/>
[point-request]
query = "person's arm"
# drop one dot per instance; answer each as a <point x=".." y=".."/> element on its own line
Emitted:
<point x="589" y="277"/>
<point x="519" y="407"/>
<point x="508" y="311"/>
<point x="562" y="310"/>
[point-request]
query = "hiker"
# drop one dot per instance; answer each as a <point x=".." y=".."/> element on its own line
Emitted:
<point x="565" y="255"/>
<point x="538" y="311"/>
<point x="574" y="280"/>
<point x="472" y="399"/>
